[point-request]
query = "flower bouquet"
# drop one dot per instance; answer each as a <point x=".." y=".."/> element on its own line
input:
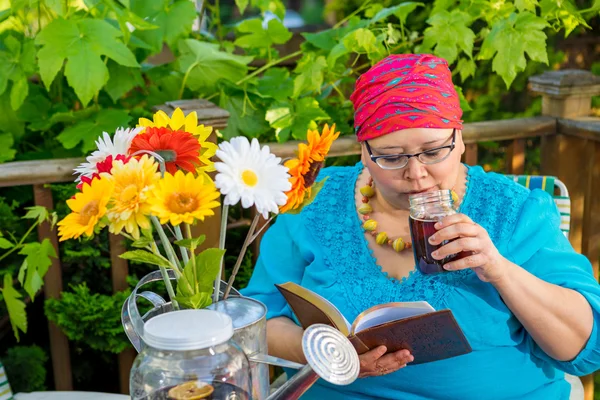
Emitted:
<point x="151" y="183"/>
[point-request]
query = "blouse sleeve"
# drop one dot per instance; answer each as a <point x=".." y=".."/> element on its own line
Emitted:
<point x="539" y="246"/>
<point x="279" y="261"/>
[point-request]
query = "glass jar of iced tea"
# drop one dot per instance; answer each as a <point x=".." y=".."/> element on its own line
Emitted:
<point x="189" y="354"/>
<point x="425" y="210"/>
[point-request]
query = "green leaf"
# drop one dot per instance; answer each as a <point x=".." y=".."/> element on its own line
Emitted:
<point x="18" y="93"/>
<point x="293" y="121"/>
<point x="206" y="64"/>
<point x="146" y="257"/>
<point x="526" y="5"/>
<point x="5" y="244"/>
<point x="4" y="14"/>
<point x="338" y="51"/>
<point x="449" y="33"/>
<point x="276" y="83"/>
<point x="401" y="11"/>
<point x="310" y="71"/>
<point x="142" y="242"/>
<point x="82" y="43"/>
<point x="22" y="270"/>
<point x="510" y="39"/>
<point x="274" y="6"/>
<point x="464" y="104"/>
<point x="363" y="41"/>
<point x="179" y="20"/>
<point x="197" y="301"/>
<point x="564" y="14"/>
<point x="121" y="80"/>
<point x="86" y="74"/>
<point x="244" y="118"/>
<point x="187" y="243"/>
<point x="257" y="37"/>
<point x="87" y="131"/>
<point x="38" y="261"/>
<point x="15" y="307"/>
<point x="241" y="5"/>
<point x="7" y="153"/>
<point x="207" y="266"/>
<point x="173" y="21"/>
<point x="37" y="212"/>
<point x="466" y="68"/>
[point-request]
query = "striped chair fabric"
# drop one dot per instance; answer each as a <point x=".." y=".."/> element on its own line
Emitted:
<point x="5" y="392"/>
<point x="556" y="189"/>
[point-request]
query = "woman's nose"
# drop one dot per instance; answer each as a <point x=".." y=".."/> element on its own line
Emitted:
<point x="414" y="170"/>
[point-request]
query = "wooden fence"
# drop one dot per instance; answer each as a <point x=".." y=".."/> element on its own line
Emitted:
<point x="570" y="150"/>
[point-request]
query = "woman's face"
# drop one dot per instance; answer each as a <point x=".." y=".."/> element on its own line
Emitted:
<point x="396" y="184"/>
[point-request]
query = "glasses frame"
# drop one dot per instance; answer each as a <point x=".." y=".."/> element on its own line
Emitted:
<point x="451" y="146"/>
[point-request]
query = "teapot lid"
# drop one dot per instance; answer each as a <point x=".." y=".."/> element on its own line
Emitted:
<point x="187" y="330"/>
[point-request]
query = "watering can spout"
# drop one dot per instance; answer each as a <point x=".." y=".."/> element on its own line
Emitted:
<point x="330" y="356"/>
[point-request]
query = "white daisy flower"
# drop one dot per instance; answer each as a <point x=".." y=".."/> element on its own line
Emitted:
<point x="251" y="174"/>
<point x="106" y="146"/>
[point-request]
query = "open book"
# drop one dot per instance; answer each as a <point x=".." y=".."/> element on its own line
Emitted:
<point x="428" y="334"/>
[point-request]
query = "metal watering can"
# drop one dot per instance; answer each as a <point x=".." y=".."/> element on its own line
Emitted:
<point x="330" y="354"/>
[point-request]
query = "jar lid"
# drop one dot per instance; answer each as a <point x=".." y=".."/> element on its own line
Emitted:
<point x="187" y="330"/>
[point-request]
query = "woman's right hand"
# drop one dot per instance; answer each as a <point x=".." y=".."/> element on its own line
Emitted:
<point x="376" y="363"/>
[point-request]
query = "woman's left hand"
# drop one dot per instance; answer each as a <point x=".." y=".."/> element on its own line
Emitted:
<point x="467" y="236"/>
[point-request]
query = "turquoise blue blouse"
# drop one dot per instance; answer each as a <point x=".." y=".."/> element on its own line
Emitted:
<point x="323" y="248"/>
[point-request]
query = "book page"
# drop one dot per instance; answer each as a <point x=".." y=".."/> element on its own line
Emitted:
<point x="389" y="312"/>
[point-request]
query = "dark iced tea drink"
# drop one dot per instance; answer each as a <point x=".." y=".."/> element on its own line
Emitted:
<point x="420" y="232"/>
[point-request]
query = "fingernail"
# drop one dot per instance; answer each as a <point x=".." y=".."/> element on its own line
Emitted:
<point x="438" y="225"/>
<point x="432" y="239"/>
<point x="435" y="254"/>
<point x="412" y="359"/>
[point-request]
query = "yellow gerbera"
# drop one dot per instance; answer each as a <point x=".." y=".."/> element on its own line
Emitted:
<point x="320" y="144"/>
<point x="88" y="207"/>
<point x="129" y="207"/>
<point x="189" y="123"/>
<point x="183" y="198"/>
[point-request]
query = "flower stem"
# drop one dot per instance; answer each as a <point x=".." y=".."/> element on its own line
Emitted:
<point x="184" y="252"/>
<point x="223" y="232"/>
<point x="169" y="286"/>
<point x="247" y="241"/>
<point x="188" y="233"/>
<point x="166" y="244"/>
<point x="262" y="228"/>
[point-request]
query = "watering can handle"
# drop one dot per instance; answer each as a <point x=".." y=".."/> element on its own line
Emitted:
<point x="133" y="322"/>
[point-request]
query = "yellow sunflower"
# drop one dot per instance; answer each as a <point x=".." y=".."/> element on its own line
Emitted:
<point x="320" y="144"/>
<point x="179" y="122"/>
<point x="183" y="198"/>
<point x="87" y="207"/>
<point x="129" y="207"/>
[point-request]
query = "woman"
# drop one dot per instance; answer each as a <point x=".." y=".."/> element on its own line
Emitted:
<point x="527" y="303"/>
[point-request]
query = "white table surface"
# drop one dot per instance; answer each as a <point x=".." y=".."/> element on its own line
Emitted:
<point x="69" y="396"/>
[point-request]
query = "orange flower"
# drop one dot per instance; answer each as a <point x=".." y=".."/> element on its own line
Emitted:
<point x="320" y="144"/>
<point x="178" y="148"/>
<point x="304" y="169"/>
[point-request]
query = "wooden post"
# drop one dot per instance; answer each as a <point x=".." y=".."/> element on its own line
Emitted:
<point x="515" y="157"/>
<point x="470" y="157"/>
<point x="119" y="270"/>
<point x="568" y="94"/>
<point x="209" y="115"/>
<point x="59" y="344"/>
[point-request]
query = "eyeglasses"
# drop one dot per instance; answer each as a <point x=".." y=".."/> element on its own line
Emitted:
<point x="397" y="161"/>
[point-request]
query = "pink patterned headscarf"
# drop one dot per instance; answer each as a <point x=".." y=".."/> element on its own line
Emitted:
<point x="405" y="91"/>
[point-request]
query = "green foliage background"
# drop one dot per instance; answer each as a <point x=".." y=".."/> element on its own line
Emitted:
<point x="70" y="69"/>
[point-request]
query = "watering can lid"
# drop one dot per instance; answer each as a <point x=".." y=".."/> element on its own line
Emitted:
<point x="187" y="330"/>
